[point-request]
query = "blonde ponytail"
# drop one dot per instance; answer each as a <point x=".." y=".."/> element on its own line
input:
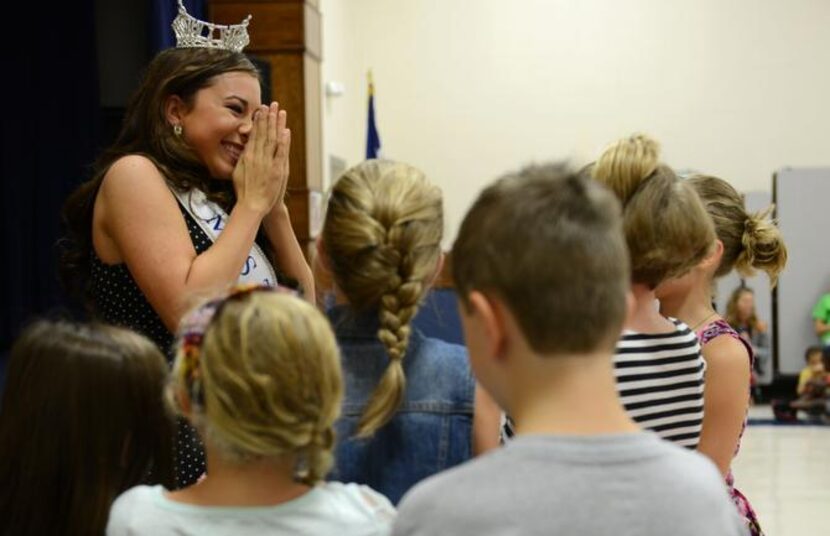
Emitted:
<point x="382" y="237"/>
<point x="666" y="227"/>
<point x="750" y="241"/>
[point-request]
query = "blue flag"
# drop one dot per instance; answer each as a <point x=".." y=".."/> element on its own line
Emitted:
<point x="372" y="136"/>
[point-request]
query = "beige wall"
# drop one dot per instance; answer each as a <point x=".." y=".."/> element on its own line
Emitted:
<point x="467" y="89"/>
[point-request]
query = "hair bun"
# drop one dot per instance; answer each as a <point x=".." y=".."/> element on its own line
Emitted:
<point x="626" y="164"/>
<point x="763" y="246"/>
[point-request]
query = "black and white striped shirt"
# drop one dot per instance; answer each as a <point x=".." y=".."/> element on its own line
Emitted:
<point x="660" y="382"/>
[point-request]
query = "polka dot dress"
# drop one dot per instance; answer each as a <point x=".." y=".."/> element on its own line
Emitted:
<point x="119" y="301"/>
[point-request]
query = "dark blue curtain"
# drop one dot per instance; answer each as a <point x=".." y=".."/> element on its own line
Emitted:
<point x="49" y="128"/>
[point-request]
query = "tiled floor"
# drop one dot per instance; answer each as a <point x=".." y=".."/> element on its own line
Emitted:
<point x="785" y="473"/>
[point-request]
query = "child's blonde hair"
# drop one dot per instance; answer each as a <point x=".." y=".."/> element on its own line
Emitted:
<point x="666" y="227"/>
<point x="626" y="163"/>
<point x="382" y="239"/>
<point x="269" y="376"/>
<point x="750" y="241"/>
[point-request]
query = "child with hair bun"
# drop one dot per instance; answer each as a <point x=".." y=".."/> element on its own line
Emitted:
<point x="408" y="409"/>
<point x="746" y="242"/>
<point x="658" y="364"/>
<point x="257" y="373"/>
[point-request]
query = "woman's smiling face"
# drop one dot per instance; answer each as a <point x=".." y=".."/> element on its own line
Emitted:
<point x="217" y="124"/>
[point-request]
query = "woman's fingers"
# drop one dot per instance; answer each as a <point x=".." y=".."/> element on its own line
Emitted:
<point x="283" y="148"/>
<point x="261" y="130"/>
<point x="282" y="119"/>
<point x="281" y="163"/>
<point x="273" y="133"/>
<point x="287" y="144"/>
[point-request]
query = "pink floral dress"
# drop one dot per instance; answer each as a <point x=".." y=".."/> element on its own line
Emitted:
<point x="709" y="332"/>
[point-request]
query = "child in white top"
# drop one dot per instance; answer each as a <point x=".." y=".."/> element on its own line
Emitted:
<point x="258" y="375"/>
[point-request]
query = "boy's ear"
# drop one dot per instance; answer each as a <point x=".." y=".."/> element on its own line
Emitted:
<point x="489" y="314"/>
<point x="174" y="110"/>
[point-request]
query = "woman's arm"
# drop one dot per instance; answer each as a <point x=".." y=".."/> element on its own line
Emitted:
<point x="486" y="422"/>
<point x="137" y="221"/>
<point x="287" y="250"/>
<point x="725" y="399"/>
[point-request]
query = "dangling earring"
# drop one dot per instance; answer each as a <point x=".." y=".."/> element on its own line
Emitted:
<point x="177" y="130"/>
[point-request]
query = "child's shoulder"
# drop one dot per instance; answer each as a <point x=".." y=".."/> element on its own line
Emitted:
<point x="356" y="503"/>
<point x="133" y="506"/>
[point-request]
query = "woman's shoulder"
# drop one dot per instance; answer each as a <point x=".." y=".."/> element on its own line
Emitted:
<point x="133" y="173"/>
<point x="132" y="164"/>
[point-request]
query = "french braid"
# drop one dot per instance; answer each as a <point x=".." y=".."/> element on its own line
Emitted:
<point x="382" y="237"/>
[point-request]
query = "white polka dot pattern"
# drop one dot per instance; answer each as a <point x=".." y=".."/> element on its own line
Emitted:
<point x="118" y="300"/>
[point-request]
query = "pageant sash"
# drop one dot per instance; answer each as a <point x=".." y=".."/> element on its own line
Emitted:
<point x="212" y="220"/>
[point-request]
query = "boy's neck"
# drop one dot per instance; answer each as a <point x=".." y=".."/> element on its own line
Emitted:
<point x="573" y="395"/>
<point x="265" y="482"/>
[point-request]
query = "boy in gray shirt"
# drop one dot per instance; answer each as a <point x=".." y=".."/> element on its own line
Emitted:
<point x="541" y="269"/>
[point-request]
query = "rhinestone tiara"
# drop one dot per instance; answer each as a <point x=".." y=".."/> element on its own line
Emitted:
<point x="194" y="33"/>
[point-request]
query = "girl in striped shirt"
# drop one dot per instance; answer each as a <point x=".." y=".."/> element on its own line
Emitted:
<point x="658" y="364"/>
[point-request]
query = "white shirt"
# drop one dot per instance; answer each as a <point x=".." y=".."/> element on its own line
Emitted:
<point x="328" y="508"/>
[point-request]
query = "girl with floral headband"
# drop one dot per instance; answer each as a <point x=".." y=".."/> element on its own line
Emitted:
<point x="258" y="375"/>
<point x="189" y="199"/>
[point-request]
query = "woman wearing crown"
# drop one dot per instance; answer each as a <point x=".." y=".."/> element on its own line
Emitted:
<point x="189" y="199"/>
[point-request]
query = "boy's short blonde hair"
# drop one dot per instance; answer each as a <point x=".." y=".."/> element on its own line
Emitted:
<point x="549" y="243"/>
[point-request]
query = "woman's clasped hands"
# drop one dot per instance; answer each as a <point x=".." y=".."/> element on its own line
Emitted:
<point x="260" y="177"/>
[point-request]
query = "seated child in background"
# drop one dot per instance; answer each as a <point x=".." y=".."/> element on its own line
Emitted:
<point x="741" y="315"/>
<point x="408" y="411"/>
<point x="82" y="419"/>
<point x="541" y="269"/>
<point x="258" y="374"/>
<point x="821" y="319"/>
<point x="813" y="384"/>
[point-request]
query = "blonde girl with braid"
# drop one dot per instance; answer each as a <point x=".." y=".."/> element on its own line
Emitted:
<point x="408" y="408"/>
<point x="257" y="373"/>
<point x="745" y="242"/>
